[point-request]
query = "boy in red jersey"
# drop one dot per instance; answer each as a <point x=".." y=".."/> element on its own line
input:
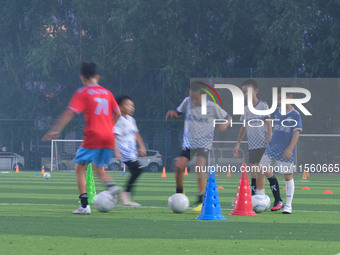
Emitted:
<point x="101" y="113"/>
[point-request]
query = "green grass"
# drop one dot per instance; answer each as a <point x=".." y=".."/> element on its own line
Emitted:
<point x="35" y="218"/>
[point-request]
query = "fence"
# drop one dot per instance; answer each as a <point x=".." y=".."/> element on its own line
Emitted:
<point x="318" y="153"/>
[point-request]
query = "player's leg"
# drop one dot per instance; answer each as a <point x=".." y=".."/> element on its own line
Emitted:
<point x="202" y="155"/>
<point x="83" y="158"/>
<point x="264" y="167"/>
<point x="81" y="178"/>
<point x="201" y="178"/>
<point x="260" y="180"/>
<point x="135" y="170"/>
<point x="181" y="162"/>
<point x="254" y="159"/>
<point x="82" y="189"/>
<point x="101" y="159"/>
<point x="290" y="188"/>
<point x="275" y="188"/>
<point x="253" y="181"/>
<point x="273" y="182"/>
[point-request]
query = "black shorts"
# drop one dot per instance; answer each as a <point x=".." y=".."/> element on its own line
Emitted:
<point x="189" y="153"/>
<point x="256" y="155"/>
<point x="133" y="165"/>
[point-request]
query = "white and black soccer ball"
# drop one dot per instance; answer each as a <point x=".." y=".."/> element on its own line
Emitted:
<point x="47" y="175"/>
<point x="260" y="203"/>
<point x="105" y="201"/>
<point x="178" y="203"/>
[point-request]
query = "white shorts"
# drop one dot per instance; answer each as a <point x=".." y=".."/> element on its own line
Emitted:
<point x="268" y="164"/>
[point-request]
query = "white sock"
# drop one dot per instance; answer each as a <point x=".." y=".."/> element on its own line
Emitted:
<point x="260" y="192"/>
<point x="290" y="187"/>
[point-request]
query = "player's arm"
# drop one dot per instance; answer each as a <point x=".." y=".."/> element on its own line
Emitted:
<point x="269" y="131"/>
<point x="289" y="151"/>
<point x="173" y="114"/>
<point x="141" y="150"/>
<point x="180" y="110"/>
<point x="116" y="115"/>
<point x="240" y="137"/>
<point x="117" y="153"/>
<point x="63" y="120"/>
<point x="223" y="127"/>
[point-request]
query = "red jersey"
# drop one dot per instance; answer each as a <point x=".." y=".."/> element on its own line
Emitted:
<point x="98" y="106"/>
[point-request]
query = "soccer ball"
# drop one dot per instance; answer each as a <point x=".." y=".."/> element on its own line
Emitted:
<point x="104" y="201"/>
<point x="178" y="203"/>
<point x="47" y="175"/>
<point x="260" y="203"/>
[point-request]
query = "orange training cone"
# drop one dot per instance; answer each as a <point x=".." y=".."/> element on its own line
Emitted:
<point x="186" y="171"/>
<point x="304" y="177"/>
<point x="328" y="192"/>
<point x="42" y="169"/>
<point x="228" y="174"/>
<point x="103" y="170"/>
<point x="17" y="169"/>
<point x="243" y="204"/>
<point x="164" y="173"/>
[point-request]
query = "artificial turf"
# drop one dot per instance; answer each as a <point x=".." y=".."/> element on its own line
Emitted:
<point x="36" y="218"/>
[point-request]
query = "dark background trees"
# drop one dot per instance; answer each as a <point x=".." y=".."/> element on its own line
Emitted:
<point x="149" y="49"/>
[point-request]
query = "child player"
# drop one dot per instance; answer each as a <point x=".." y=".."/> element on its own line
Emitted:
<point x="280" y="153"/>
<point x="259" y="133"/>
<point x="101" y="112"/>
<point x="127" y="138"/>
<point x="198" y="136"/>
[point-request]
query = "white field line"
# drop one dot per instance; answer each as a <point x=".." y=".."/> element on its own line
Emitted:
<point x="143" y="207"/>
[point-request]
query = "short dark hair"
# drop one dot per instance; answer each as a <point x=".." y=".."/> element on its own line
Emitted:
<point x="196" y="85"/>
<point x="88" y="69"/>
<point x="251" y="82"/>
<point x="120" y="100"/>
<point x="279" y="88"/>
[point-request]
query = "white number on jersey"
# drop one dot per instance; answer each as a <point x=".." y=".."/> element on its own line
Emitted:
<point x="103" y="106"/>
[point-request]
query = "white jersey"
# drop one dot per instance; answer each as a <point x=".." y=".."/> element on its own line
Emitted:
<point x="257" y="135"/>
<point x="199" y="129"/>
<point x="126" y="142"/>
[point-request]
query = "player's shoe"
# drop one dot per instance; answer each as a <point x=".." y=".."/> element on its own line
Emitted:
<point x="277" y="206"/>
<point x="287" y="209"/>
<point x="114" y="190"/>
<point x="233" y="203"/>
<point x="126" y="199"/>
<point x="81" y="210"/>
<point x="197" y="208"/>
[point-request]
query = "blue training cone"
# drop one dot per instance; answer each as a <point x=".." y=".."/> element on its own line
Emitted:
<point x="211" y="208"/>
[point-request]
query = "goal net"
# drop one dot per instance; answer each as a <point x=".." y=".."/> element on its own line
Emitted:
<point x="64" y="151"/>
<point x="62" y="154"/>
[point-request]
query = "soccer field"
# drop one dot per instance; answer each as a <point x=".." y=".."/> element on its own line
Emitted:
<point x="36" y="218"/>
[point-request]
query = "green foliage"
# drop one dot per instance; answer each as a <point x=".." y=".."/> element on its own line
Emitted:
<point x="152" y="48"/>
<point x="44" y="42"/>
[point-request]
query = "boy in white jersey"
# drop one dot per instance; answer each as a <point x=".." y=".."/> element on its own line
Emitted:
<point x="280" y="153"/>
<point x="197" y="137"/>
<point x="127" y="138"/>
<point x="259" y="132"/>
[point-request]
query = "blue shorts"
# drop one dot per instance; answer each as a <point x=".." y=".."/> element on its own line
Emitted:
<point x="100" y="157"/>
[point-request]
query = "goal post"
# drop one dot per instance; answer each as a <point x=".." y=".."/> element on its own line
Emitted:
<point x="63" y="152"/>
